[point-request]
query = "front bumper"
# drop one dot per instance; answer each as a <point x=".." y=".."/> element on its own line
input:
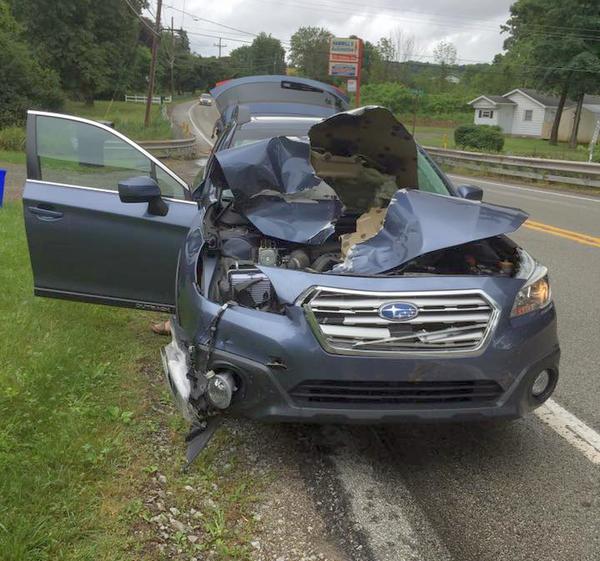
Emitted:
<point x="271" y="355"/>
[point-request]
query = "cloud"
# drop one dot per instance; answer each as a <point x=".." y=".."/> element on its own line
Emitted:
<point x="473" y="27"/>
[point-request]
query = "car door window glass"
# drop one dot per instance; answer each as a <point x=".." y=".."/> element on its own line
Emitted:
<point x="86" y="155"/>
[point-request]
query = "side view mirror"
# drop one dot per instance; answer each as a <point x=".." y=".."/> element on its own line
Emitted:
<point x="470" y="192"/>
<point x="143" y="189"/>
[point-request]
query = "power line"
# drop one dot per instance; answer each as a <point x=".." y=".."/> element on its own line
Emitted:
<point x="198" y="18"/>
<point x="365" y="11"/>
<point x="139" y="17"/>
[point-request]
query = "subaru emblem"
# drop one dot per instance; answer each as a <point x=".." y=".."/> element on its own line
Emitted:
<point x="398" y="311"/>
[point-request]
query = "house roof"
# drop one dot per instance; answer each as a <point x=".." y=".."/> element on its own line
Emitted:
<point x="494" y="99"/>
<point x="542" y="99"/>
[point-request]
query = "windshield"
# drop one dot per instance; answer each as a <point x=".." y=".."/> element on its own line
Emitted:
<point x="428" y="177"/>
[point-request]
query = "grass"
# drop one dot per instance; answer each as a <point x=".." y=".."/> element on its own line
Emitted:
<point x="533" y="147"/>
<point x="128" y="118"/>
<point x="11" y="157"/>
<point x="85" y="425"/>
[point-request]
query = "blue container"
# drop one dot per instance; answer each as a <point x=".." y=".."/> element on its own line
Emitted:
<point x="2" y="178"/>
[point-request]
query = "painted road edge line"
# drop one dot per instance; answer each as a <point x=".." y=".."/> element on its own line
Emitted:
<point x="574" y="431"/>
<point x="197" y="129"/>
<point x="540" y="190"/>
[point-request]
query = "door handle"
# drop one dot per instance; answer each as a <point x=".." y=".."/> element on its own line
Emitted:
<point x="45" y="213"/>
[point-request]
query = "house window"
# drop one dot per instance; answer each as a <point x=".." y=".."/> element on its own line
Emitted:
<point x="528" y="116"/>
<point x="486" y="114"/>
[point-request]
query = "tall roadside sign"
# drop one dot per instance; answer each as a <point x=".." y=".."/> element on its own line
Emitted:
<point x="345" y="61"/>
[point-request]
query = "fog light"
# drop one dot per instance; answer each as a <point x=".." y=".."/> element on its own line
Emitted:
<point x="541" y="383"/>
<point x="220" y="390"/>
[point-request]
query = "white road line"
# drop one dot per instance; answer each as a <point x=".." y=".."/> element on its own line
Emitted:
<point x="393" y="523"/>
<point x="574" y="431"/>
<point x="196" y="129"/>
<point x="538" y="191"/>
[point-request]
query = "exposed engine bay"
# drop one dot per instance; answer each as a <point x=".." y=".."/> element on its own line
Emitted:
<point x="350" y="202"/>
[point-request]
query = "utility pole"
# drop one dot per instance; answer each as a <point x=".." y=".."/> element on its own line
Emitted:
<point x="172" y="61"/>
<point x="155" y="40"/>
<point x="220" y="45"/>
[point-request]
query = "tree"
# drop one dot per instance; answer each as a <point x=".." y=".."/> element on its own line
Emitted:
<point x="264" y="56"/>
<point x="91" y="44"/>
<point x="25" y="83"/>
<point x="309" y="52"/>
<point x="546" y="37"/>
<point x="445" y="56"/>
<point x="587" y="68"/>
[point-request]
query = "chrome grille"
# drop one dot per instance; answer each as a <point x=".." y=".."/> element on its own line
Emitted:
<point x="348" y="321"/>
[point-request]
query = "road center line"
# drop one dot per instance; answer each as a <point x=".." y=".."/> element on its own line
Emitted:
<point x="574" y="431"/>
<point x="578" y="237"/>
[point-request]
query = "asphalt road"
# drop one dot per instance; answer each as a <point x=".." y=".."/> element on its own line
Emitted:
<point x="510" y="492"/>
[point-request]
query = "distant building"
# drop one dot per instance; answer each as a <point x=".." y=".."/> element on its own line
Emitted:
<point x="453" y="79"/>
<point x="527" y="112"/>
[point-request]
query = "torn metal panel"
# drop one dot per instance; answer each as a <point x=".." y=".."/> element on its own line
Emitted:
<point x="417" y="223"/>
<point x="276" y="188"/>
<point x="374" y="134"/>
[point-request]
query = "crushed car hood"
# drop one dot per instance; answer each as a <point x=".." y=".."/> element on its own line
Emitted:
<point x="417" y="223"/>
<point x="276" y="187"/>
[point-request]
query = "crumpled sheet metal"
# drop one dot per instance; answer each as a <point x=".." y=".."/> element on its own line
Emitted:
<point x="418" y="222"/>
<point x="275" y="186"/>
<point x="371" y="132"/>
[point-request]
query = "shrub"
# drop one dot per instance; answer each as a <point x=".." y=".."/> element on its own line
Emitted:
<point x="481" y="137"/>
<point x="12" y="138"/>
<point x="400" y="99"/>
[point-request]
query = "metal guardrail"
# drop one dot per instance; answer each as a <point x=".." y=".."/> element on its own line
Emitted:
<point x="155" y="98"/>
<point x="553" y="171"/>
<point x="179" y="148"/>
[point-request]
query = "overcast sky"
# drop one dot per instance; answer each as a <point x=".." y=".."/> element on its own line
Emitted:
<point x="472" y="25"/>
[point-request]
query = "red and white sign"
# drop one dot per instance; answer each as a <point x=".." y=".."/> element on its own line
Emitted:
<point x="348" y="50"/>
<point x="343" y="69"/>
<point x="345" y="56"/>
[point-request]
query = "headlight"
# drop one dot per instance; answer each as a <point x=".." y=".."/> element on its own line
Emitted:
<point x="534" y="295"/>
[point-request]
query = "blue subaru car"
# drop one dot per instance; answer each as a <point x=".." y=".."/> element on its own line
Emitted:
<point x="331" y="275"/>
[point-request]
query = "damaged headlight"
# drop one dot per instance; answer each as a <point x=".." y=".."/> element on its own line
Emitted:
<point x="534" y="295"/>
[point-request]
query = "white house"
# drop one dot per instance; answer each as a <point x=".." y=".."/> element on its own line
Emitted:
<point x="526" y="112"/>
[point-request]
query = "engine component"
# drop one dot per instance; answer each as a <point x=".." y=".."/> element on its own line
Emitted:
<point x="239" y="248"/>
<point x="249" y="287"/>
<point x="268" y="254"/>
<point x="298" y="259"/>
<point x="326" y="262"/>
<point x="220" y="389"/>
